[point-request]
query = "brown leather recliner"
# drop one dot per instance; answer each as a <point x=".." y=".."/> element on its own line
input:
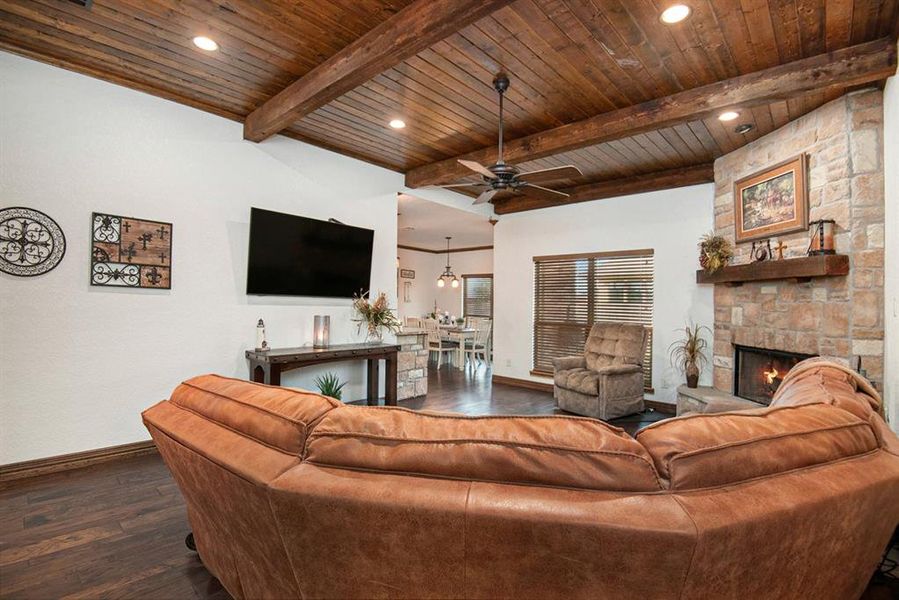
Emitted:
<point x="293" y="495"/>
<point x="606" y="382"/>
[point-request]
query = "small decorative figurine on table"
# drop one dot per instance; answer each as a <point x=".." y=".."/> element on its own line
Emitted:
<point x="261" y="343"/>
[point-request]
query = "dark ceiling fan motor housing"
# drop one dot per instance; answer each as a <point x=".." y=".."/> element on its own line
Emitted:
<point x="502" y="178"/>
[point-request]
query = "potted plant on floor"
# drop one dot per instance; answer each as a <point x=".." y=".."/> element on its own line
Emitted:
<point x="688" y="353"/>
<point x="375" y="316"/>
<point x="330" y="385"/>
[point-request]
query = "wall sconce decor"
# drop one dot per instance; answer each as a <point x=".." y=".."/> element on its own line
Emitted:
<point x="321" y="331"/>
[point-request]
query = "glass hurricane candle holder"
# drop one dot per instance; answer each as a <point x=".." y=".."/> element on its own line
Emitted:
<point x="321" y="331"/>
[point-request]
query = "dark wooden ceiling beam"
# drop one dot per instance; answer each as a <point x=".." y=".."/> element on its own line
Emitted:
<point x="650" y="182"/>
<point x="408" y="32"/>
<point x="856" y="65"/>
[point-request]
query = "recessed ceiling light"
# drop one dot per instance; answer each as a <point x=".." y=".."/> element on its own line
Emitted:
<point x="204" y="43"/>
<point x="675" y="13"/>
<point x="397" y="123"/>
<point x="728" y="116"/>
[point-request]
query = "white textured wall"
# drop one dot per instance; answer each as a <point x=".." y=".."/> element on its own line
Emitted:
<point x="78" y="364"/>
<point x="891" y="245"/>
<point x="671" y="222"/>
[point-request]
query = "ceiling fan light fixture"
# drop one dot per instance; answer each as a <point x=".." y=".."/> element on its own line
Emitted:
<point x="675" y="14"/>
<point x="455" y="283"/>
<point x="204" y="43"/>
<point x="728" y="115"/>
<point x="397" y="123"/>
<point x="440" y="282"/>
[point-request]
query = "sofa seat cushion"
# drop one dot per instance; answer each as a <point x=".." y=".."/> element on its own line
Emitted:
<point x="578" y="380"/>
<point x="555" y="451"/>
<point x="705" y="450"/>
<point x="277" y="417"/>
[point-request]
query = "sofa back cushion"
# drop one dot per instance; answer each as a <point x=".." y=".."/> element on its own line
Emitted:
<point x="615" y="344"/>
<point x="555" y="451"/>
<point x="707" y="450"/>
<point x="819" y="380"/>
<point x="274" y="416"/>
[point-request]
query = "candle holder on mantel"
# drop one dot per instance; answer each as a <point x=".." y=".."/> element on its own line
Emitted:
<point x="321" y="331"/>
<point x="820" y="234"/>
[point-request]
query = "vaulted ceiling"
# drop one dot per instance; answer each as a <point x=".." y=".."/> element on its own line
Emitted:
<point x="569" y="61"/>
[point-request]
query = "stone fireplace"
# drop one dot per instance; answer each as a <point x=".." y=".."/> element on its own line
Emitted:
<point x="758" y="372"/>
<point x="839" y="317"/>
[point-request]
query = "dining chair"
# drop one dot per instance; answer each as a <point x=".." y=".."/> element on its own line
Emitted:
<point x="436" y="342"/>
<point x="480" y="343"/>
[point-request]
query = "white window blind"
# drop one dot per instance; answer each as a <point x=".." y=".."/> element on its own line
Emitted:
<point x="477" y="296"/>
<point x="572" y="292"/>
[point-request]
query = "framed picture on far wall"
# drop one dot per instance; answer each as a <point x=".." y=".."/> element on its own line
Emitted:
<point x="772" y="202"/>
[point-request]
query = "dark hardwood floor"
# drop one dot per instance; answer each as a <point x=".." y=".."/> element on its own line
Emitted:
<point x="116" y="530"/>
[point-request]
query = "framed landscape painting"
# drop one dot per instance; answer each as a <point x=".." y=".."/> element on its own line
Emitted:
<point x="772" y="202"/>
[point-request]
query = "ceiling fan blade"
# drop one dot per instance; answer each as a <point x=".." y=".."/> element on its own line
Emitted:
<point x="485" y="196"/>
<point x="478" y="168"/>
<point x="454" y="185"/>
<point x="535" y="191"/>
<point x="556" y="173"/>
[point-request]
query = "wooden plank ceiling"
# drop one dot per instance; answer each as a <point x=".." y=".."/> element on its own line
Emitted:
<point x="568" y="60"/>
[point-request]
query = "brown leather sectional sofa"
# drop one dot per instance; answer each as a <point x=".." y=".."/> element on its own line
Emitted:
<point x="291" y="494"/>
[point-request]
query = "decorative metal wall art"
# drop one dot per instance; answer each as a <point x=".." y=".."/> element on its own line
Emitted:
<point x="128" y="252"/>
<point x="31" y="243"/>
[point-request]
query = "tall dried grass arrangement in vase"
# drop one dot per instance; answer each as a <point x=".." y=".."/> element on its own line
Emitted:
<point x="688" y="354"/>
<point x="375" y="316"/>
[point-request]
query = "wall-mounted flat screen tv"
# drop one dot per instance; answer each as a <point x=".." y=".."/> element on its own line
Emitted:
<point x="295" y="256"/>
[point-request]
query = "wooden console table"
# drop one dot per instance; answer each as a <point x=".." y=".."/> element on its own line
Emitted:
<point x="266" y="367"/>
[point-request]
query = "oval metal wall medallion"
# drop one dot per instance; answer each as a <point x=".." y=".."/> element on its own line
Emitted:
<point x="31" y="243"/>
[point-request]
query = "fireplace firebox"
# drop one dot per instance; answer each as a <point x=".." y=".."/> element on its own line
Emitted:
<point x="758" y="372"/>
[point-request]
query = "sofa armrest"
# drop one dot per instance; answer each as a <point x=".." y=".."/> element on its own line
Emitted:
<point x="620" y="369"/>
<point x="569" y="362"/>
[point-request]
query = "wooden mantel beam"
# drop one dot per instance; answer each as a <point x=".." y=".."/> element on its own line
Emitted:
<point x="408" y="32"/>
<point x="864" y="63"/>
<point x="610" y="188"/>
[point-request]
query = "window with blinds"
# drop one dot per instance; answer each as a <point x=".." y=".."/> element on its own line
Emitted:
<point x="477" y="296"/>
<point x="572" y="292"/>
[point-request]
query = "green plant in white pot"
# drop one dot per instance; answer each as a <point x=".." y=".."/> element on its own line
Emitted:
<point x="689" y="353"/>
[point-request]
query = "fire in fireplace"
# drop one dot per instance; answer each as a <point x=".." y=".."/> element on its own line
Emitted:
<point x="758" y="372"/>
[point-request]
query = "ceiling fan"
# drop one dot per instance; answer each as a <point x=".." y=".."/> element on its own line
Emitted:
<point x="505" y="180"/>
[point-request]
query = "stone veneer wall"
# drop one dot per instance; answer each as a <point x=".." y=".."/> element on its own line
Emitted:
<point x="412" y="366"/>
<point x="836" y="316"/>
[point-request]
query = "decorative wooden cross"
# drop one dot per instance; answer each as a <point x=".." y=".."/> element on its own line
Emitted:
<point x="126" y="226"/>
<point x="780" y="247"/>
<point x="161" y="232"/>
<point x="162" y="257"/>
